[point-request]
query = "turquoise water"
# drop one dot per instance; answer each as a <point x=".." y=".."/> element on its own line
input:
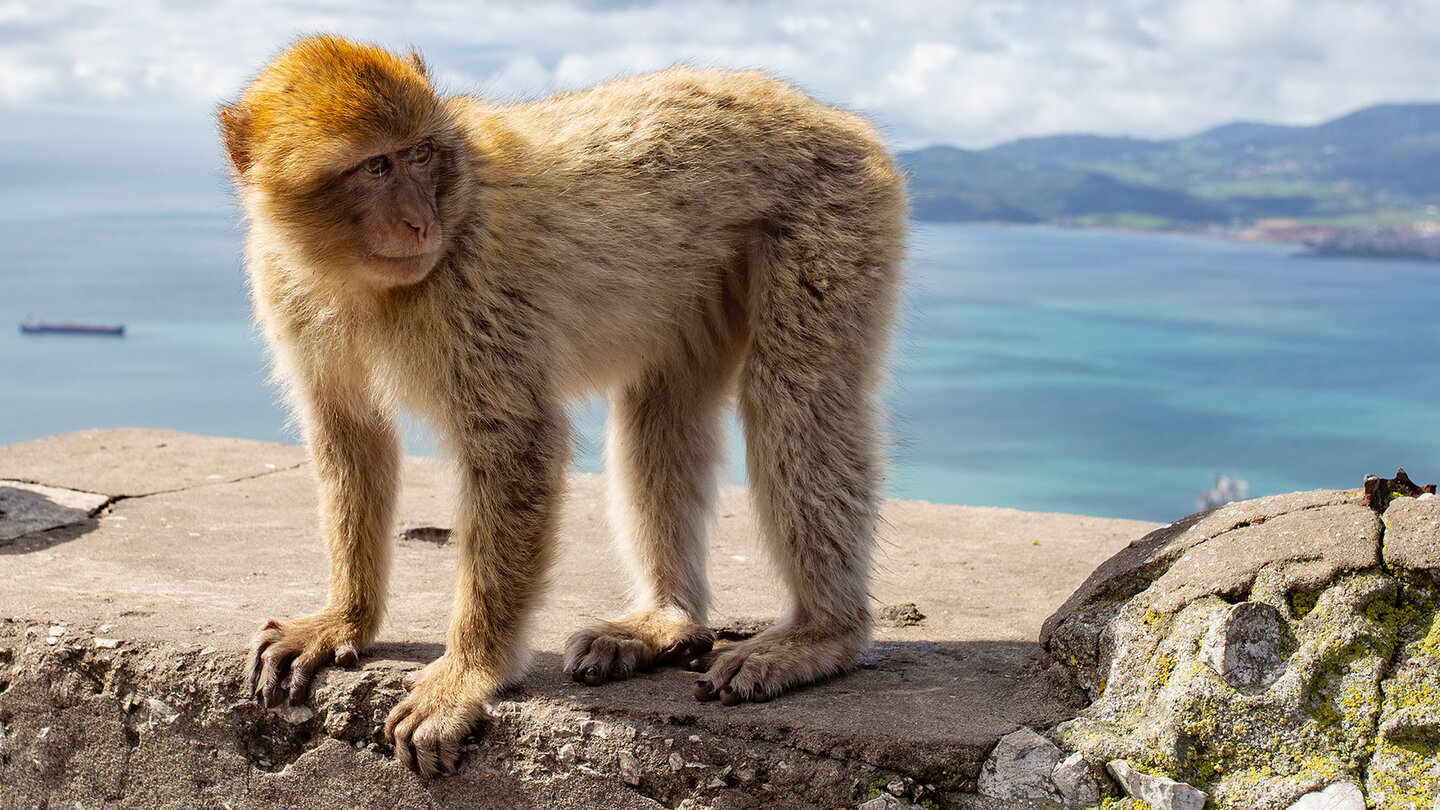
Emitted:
<point x="1097" y="373"/>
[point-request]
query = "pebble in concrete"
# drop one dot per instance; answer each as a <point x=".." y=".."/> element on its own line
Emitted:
<point x="1243" y="645"/>
<point x="1157" y="791"/>
<point x="629" y="768"/>
<point x="1339" y="796"/>
<point x="1020" y="767"/>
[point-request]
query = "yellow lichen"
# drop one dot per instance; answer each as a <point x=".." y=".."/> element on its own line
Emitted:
<point x="1164" y="668"/>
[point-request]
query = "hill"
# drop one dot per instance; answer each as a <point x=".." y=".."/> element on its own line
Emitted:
<point x="1376" y="166"/>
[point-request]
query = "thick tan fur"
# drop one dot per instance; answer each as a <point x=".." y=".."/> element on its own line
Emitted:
<point x="677" y="240"/>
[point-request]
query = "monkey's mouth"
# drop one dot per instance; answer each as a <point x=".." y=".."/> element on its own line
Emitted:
<point x="406" y="269"/>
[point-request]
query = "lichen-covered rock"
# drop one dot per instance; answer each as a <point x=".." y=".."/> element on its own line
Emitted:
<point x="1244" y="645"/>
<point x="1159" y="792"/>
<point x="1262" y="651"/>
<point x="1339" y="796"/>
<point x="1404" y="772"/>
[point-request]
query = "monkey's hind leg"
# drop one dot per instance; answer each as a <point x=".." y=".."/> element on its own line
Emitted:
<point x="662" y="449"/>
<point x="807" y="395"/>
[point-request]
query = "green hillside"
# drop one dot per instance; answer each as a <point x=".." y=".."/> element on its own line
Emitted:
<point x="1379" y="165"/>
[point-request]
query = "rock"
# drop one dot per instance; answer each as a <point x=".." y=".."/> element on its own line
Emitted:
<point x="107" y="643"/>
<point x="294" y="715"/>
<point x="1339" y="796"/>
<point x="1020" y="767"/>
<point x="566" y="754"/>
<point x="1262" y="651"/>
<point x="1409" y="715"/>
<point x="1075" y="783"/>
<point x="884" y="801"/>
<point x="1157" y="791"/>
<point x="629" y="768"/>
<point x="1411" y="528"/>
<point x="906" y="615"/>
<point x="1243" y="645"/>
<point x="160" y="711"/>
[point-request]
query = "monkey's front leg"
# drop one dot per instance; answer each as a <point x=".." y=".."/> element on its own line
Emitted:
<point x="356" y="454"/>
<point x="506" y="529"/>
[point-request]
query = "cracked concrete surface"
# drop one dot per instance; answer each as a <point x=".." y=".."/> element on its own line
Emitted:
<point x="135" y="700"/>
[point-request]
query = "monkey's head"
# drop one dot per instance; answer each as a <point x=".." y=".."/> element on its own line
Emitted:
<point x="345" y="154"/>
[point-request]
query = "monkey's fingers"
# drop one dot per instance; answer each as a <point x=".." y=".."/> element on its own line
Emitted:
<point x="276" y="665"/>
<point x="427" y="737"/>
<point x="735" y="679"/>
<point x="687" y="649"/>
<point x="613" y="658"/>
<point x="346" y="655"/>
<point x="262" y="640"/>
<point x="399" y="728"/>
<point x="302" y="672"/>
<point x="437" y="746"/>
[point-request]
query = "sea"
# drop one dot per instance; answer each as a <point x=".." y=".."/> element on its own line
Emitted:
<point x="1044" y="369"/>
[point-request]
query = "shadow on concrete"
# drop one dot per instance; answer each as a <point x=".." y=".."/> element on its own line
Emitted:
<point x="30" y="521"/>
<point x="409" y="652"/>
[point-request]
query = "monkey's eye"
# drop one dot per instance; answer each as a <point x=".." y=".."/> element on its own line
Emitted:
<point x="422" y="152"/>
<point x="377" y="165"/>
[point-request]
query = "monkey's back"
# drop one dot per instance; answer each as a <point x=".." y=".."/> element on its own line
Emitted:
<point x="648" y="198"/>
<point x="742" y="144"/>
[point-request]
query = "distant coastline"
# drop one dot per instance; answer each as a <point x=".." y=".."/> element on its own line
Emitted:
<point x="1418" y="241"/>
<point x="1364" y="185"/>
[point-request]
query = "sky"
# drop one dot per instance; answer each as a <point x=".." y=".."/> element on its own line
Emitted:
<point x="129" y="88"/>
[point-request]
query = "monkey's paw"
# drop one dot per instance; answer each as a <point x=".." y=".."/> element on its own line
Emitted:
<point x="613" y="651"/>
<point x="284" y="656"/>
<point x="446" y="702"/>
<point x="781" y="658"/>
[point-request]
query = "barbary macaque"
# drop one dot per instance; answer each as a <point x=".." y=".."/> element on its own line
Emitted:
<point x="679" y="241"/>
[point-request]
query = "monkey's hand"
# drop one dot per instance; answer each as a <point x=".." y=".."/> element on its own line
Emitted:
<point x="446" y="701"/>
<point x="616" y="650"/>
<point x="284" y="656"/>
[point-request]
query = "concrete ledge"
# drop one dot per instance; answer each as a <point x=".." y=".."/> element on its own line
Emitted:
<point x="122" y="637"/>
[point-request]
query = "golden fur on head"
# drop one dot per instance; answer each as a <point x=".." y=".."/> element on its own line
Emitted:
<point x="310" y="107"/>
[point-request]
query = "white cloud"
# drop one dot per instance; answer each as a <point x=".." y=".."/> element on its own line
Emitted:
<point x="973" y="72"/>
<point x="919" y="71"/>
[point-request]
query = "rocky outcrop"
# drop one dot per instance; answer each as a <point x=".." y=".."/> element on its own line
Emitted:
<point x="1273" y="653"/>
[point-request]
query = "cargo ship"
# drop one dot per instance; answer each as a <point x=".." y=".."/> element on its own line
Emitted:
<point x="33" y="325"/>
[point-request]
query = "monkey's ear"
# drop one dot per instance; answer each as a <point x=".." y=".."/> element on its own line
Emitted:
<point x="235" y="132"/>
<point x="418" y="63"/>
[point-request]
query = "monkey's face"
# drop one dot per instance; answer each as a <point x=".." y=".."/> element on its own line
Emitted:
<point x="346" y="158"/>
<point x="391" y="198"/>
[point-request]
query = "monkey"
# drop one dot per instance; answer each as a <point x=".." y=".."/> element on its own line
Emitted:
<point x="680" y="242"/>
